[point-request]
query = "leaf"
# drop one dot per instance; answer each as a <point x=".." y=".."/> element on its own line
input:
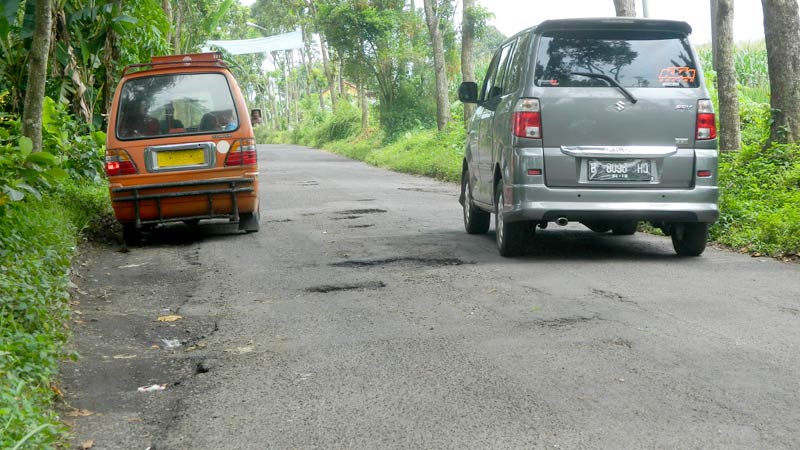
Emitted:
<point x="14" y="194"/>
<point x="32" y="190"/>
<point x="9" y="11"/>
<point x="42" y="158"/>
<point x="170" y="318"/>
<point x="56" y="173"/>
<point x="125" y="19"/>
<point x="25" y="145"/>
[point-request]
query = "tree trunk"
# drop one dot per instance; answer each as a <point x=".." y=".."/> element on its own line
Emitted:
<point x="442" y="100"/>
<point x="730" y="133"/>
<point x="714" y="38"/>
<point x="176" y="44"/>
<point x="467" y="40"/>
<point x="37" y="74"/>
<point x="625" y="8"/>
<point x="110" y="58"/>
<point x="782" y="33"/>
<point x="166" y="5"/>
<point x="362" y="96"/>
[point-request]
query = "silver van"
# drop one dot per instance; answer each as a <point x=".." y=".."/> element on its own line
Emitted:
<point x="606" y="122"/>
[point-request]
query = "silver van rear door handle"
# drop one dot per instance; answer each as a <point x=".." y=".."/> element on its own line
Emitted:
<point x="635" y="151"/>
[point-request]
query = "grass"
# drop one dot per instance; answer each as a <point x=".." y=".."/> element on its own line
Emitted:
<point x="37" y="241"/>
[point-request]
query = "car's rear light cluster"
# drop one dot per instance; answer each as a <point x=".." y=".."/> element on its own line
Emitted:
<point x="119" y="162"/>
<point x="706" y="121"/>
<point x="528" y="119"/>
<point x="242" y="153"/>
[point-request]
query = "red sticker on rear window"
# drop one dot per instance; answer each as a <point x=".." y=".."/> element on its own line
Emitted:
<point x="677" y="74"/>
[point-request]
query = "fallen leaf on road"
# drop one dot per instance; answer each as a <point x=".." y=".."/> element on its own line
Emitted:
<point x="170" y="318"/>
<point x="86" y="445"/>
<point x="131" y="266"/>
<point x="239" y="350"/>
<point x="124" y="356"/>
<point x="56" y="390"/>
<point x="79" y="413"/>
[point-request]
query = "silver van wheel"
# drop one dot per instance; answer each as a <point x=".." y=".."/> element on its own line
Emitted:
<point x="476" y="221"/>
<point x="508" y="235"/>
<point x="689" y="239"/>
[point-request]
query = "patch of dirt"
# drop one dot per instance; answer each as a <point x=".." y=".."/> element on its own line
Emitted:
<point x="326" y="288"/>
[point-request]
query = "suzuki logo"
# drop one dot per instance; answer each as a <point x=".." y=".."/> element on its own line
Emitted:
<point x="620" y="105"/>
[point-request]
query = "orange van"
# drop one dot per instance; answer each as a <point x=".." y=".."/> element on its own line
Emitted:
<point x="180" y="146"/>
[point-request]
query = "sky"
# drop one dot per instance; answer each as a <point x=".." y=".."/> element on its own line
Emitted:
<point x="512" y="16"/>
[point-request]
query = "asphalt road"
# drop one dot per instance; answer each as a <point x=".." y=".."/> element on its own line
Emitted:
<point x="363" y="316"/>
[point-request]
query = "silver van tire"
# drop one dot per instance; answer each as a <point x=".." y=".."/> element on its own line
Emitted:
<point x="689" y="239"/>
<point x="625" y="228"/>
<point x="476" y="221"/>
<point x="510" y="236"/>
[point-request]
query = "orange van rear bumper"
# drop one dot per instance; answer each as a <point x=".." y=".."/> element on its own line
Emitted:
<point x="187" y="200"/>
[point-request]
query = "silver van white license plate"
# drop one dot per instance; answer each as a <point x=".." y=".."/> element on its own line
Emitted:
<point x="619" y="169"/>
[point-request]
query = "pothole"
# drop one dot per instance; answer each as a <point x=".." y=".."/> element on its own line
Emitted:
<point x="345" y="218"/>
<point x="565" y="321"/>
<point x="362" y="211"/>
<point x="326" y="288"/>
<point x="361" y="226"/>
<point x="620" y="342"/>
<point x="278" y="221"/>
<point x="409" y="260"/>
<point x="308" y="183"/>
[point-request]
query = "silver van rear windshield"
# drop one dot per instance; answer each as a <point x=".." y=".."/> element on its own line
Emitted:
<point x="179" y="104"/>
<point x="635" y="59"/>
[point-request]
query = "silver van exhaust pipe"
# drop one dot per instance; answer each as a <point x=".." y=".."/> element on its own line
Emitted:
<point x="562" y="221"/>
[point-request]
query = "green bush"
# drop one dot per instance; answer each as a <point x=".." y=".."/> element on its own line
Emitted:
<point x="760" y="200"/>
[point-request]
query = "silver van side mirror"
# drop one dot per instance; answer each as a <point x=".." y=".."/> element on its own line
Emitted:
<point x="468" y="92"/>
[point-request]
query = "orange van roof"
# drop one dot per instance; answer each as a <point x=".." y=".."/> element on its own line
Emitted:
<point x="210" y="59"/>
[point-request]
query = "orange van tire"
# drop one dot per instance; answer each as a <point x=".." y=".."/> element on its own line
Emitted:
<point x="131" y="235"/>
<point x="249" y="221"/>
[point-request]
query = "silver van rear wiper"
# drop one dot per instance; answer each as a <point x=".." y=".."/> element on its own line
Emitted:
<point x="611" y="81"/>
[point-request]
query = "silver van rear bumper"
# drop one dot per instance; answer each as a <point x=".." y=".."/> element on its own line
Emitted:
<point x="540" y="203"/>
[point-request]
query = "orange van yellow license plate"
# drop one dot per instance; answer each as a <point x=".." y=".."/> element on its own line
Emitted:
<point x="177" y="158"/>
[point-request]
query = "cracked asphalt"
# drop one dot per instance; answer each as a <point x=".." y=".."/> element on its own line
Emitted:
<point x="363" y="316"/>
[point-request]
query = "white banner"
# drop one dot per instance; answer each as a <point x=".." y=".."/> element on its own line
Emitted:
<point x="286" y="41"/>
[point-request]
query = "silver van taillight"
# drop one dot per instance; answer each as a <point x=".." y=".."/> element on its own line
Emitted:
<point x="706" y="121"/>
<point x="528" y="118"/>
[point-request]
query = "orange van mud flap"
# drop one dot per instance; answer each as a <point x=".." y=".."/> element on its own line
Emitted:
<point x="227" y="186"/>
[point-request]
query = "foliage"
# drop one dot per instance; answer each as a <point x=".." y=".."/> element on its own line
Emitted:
<point x="23" y="172"/>
<point x="80" y="149"/>
<point x="760" y="200"/>
<point x="423" y="152"/>
<point x="37" y="240"/>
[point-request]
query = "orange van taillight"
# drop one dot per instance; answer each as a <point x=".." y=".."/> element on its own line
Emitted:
<point x="527" y="119"/>
<point x="706" y="121"/>
<point x="242" y="153"/>
<point x="119" y="162"/>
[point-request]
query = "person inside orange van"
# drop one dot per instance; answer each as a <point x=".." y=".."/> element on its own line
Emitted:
<point x="170" y="124"/>
<point x="136" y="121"/>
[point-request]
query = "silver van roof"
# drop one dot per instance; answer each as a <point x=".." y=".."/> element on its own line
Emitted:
<point x="615" y="23"/>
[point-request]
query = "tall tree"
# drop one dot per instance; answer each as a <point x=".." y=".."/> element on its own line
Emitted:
<point x="442" y="99"/>
<point x="730" y="133"/>
<point x="782" y="33"/>
<point x="467" y="59"/>
<point x="37" y="74"/>
<point x="625" y="8"/>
